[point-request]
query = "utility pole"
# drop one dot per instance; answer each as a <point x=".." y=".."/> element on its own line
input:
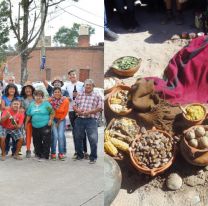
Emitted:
<point x="42" y="37"/>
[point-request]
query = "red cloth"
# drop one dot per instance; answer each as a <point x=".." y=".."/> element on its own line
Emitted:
<point x="19" y="118"/>
<point x="186" y="76"/>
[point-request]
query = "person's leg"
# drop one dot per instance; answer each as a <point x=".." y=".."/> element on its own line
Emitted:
<point x="72" y="117"/>
<point x="168" y="4"/>
<point x="61" y="137"/>
<point x="18" y="148"/>
<point x="92" y="134"/>
<point x="46" y="141"/>
<point x="14" y="145"/>
<point x="28" y="139"/>
<point x="2" y="145"/>
<point x="7" y="143"/>
<point x="37" y="141"/>
<point x="110" y="35"/>
<point x="79" y="136"/>
<point x="179" y="14"/>
<point x="86" y="155"/>
<point x="133" y="24"/>
<point x="85" y="143"/>
<point x="120" y="4"/>
<point x="65" y="144"/>
<point x="54" y="139"/>
<point x="169" y="13"/>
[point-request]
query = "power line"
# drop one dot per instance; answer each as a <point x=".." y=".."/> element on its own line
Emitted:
<point x="53" y="19"/>
<point x="87" y="11"/>
<point x="81" y="18"/>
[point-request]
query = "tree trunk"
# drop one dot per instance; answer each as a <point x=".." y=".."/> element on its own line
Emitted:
<point x="24" y="71"/>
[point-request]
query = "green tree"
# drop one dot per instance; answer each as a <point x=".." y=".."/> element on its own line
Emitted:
<point x="69" y="36"/>
<point x="28" y="24"/>
<point x="4" y="30"/>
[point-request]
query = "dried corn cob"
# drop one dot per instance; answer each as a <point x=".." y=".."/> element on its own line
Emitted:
<point x="123" y="146"/>
<point x="107" y="135"/>
<point x="115" y="101"/>
<point x="110" y="148"/>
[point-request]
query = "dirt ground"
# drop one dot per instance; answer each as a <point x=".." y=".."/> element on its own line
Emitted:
<point x="154" y="45"/>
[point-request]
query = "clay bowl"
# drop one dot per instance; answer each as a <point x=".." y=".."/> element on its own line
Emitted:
<point x="115" y="90"/>
<point x="194" y="156"/>
<point x="198" y="121"/>
<point x="128" y="72"/>
<point x="154" y="171"/>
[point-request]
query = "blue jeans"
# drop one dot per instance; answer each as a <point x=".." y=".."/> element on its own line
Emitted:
<point x="90" y="126"/>
<point x="72" y="117"/>
<point x="58" y="136"/>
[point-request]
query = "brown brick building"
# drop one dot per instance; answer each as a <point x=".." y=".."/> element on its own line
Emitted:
<point x="87" y="60"/>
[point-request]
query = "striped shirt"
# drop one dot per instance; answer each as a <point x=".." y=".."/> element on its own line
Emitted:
<point x="88" y="102"/>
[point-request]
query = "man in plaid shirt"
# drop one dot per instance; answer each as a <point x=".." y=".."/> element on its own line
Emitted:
<point x="88" y="105"/>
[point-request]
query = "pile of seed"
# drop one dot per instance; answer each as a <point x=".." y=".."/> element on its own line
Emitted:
<point x="153" y="149"/>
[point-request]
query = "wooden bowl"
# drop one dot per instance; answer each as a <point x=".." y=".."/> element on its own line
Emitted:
<point x="195" y="122"/>
<point x="128" y="72"/>
<point x="154" y="171"/>
<point x="116" y="89"/>
<point x="194" y="156"/>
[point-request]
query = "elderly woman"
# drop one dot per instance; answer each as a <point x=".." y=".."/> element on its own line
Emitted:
<point x="41" y="114"/>
<point x="27" y="98"/>
<point x="60" y="105"/>
<point x="10" y="93"/>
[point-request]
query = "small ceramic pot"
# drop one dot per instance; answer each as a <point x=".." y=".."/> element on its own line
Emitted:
<point x="129" y="72"/>
<point x="146" y="170"/>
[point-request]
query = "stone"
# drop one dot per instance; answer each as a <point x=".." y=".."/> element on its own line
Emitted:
<point x="195" y="200"/>
<point x="174" y="181"/>
<point x="194" y="180"/>
<point x="206" y="168"/>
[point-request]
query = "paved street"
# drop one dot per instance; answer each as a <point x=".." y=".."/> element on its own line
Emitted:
<point x="53" y="183"/>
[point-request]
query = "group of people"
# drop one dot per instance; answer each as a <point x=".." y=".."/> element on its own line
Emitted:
<point x="31" y="116"/>
<point x="126" y="12"/>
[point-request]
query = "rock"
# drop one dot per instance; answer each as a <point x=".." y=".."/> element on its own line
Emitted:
<point x="206" y="168"/>
<point x="174" y="181"/>
<point x="195" y="180"/>
<point x="175" y="37"/>
<point x="200" y="174"/>
<point x="195" y="200"/>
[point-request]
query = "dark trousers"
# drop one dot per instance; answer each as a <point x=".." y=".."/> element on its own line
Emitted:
<point x="7" y="143"/>
<point x="89" y="125"/>
<point x="72" y="117"/>
<point x="42" y="141"/>
<point x="127" y="16"/>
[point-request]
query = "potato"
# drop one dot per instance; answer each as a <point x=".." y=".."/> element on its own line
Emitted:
<point x="200" y="131"/>
<point x="190" y="135"/>
<point x="193" y="143"/>
<point x="203" y="142"/>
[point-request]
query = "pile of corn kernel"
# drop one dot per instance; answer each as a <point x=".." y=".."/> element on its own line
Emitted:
<point x="195" y="112"/>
